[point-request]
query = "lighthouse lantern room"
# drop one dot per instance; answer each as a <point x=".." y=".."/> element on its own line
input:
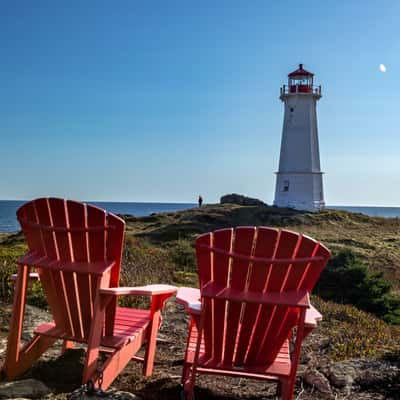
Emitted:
<point x="299" y="178"/>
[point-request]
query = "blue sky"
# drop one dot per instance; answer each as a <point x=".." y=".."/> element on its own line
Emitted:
<point x="163" y="100"/>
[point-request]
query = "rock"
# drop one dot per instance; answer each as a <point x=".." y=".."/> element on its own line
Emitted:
<point x="241" y="200"/>
<point x="31" y="388"/>
<point x="318" y="381"/>
<point x="111" y="395"/>
<point x="342" y="375"/>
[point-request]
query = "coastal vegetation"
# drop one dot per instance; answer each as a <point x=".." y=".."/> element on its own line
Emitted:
<point x="360" y="280"/>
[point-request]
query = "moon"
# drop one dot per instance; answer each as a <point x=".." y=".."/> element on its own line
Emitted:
<point x="382" y="68"/>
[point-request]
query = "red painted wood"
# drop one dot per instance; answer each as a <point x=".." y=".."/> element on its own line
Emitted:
<point x="97" y="240"/>
<point x="204" y="258"/>
<point x="278" y="328"/>
<point x="44" y="217"/>
<point x="240" y="272"/>
<point x="16" y="323"/>
<point x="220" y="272"/>
<point x="77" y="251"/>
<point x="204" y="263"/>
<point x="297" y="273"/>
<point x="316" y="268"/>
<point x="254" y="287"/>
<point x="115" y="240"/>
<point x="77" y="288"/>
<point x="33" y="235"/>
<point x="79" y="240"/>
<point x="59" y="217"/>
<point x="264" y="248"/>
<point x="74" y="302"/>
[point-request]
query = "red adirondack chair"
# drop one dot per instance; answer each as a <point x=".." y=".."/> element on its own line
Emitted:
<point x="76" y="250"/>
<point x="254" y="290"/>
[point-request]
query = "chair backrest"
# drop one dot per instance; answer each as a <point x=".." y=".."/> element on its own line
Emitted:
<point x="71" y="243"/>
<point x="253" y="261"/>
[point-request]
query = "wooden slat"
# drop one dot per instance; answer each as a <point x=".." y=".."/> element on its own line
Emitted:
<point x="204" y="266"/>
<point x="52" y="292"/>
<point x="58" y="213"/>
<point x="77" y="219"/>
<point x="78" y="291"/>
<point x="97" y="240"/>
<point x="243" y="244"/>
<point x="223" y="240"/>
<point x="44" y="217"/>
<point x="264" y="248"/>
<point x="52" y="283"/>
<point x="278" y="326"/>
<point x="204" y="260"/>
<point x="33" y="235"/>
<point x="115" y="240"/>
<point x="62" y="300"/>
<point x="316" y="268"/>
<point x="297" y="273"/>
<point x="114" y="247"/>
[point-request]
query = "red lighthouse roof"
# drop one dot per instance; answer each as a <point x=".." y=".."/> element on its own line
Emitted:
<point x="300" y="72"/>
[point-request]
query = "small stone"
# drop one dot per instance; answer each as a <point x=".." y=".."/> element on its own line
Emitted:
<point x="31" y="388"/>
<point x="111" y="395"/>
<point x="318" y="381"/>
<point x="119" y="395"/>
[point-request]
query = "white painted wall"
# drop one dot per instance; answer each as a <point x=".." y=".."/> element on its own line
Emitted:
<point x="299" y="179"/>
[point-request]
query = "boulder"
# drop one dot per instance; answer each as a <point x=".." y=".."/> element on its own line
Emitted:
<point x="30" y="388"/>
<point x="241" y="200"/>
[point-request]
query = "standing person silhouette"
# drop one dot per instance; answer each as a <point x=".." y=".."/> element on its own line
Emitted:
<point x="200" y="200"/>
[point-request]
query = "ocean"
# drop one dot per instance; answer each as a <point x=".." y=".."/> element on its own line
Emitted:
<point x="9" y="223"/>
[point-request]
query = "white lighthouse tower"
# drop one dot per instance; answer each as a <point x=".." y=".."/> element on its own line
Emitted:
<point x="299" y="179"/>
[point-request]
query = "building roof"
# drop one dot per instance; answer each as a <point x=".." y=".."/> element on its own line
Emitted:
<point x="300" y="72"/>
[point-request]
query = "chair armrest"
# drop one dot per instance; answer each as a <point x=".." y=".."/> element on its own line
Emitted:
<point x="313" y="316"/>
<point x="190" y="299"/>
<point x="148" y="290"/>
<point x="34" y="276"/>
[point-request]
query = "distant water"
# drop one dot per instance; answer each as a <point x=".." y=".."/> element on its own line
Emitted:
<point x="9" y="223"/>
<point x="386" y="212"/>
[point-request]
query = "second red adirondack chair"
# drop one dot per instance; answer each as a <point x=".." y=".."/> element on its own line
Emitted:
<point x="76" y="250"/>
<point x="253" y="298"/>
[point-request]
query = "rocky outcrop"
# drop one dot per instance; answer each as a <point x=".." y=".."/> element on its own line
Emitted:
<point x="240" y="200"/>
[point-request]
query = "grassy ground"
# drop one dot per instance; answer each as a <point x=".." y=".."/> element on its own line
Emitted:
<point x="375" y="240"/>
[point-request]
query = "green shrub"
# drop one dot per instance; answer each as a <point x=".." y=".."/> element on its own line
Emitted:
<point x="9" y="255"/>
<point x="353" y="333"/>
<point x="347" y="280"/>
<point x="183" y="255"/>
<point x="144" y="264"/>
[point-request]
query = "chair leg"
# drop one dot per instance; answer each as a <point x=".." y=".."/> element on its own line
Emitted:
<point x="188" y="384"/>
<point x="16" y="323"/>
<point x="286" y="388"/>
<point x="30" y="353"/>
<point x="151" y="345"/>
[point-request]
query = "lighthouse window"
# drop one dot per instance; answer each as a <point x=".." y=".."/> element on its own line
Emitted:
<point x="291" y="109"/>
<point x="285" y="186"/>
